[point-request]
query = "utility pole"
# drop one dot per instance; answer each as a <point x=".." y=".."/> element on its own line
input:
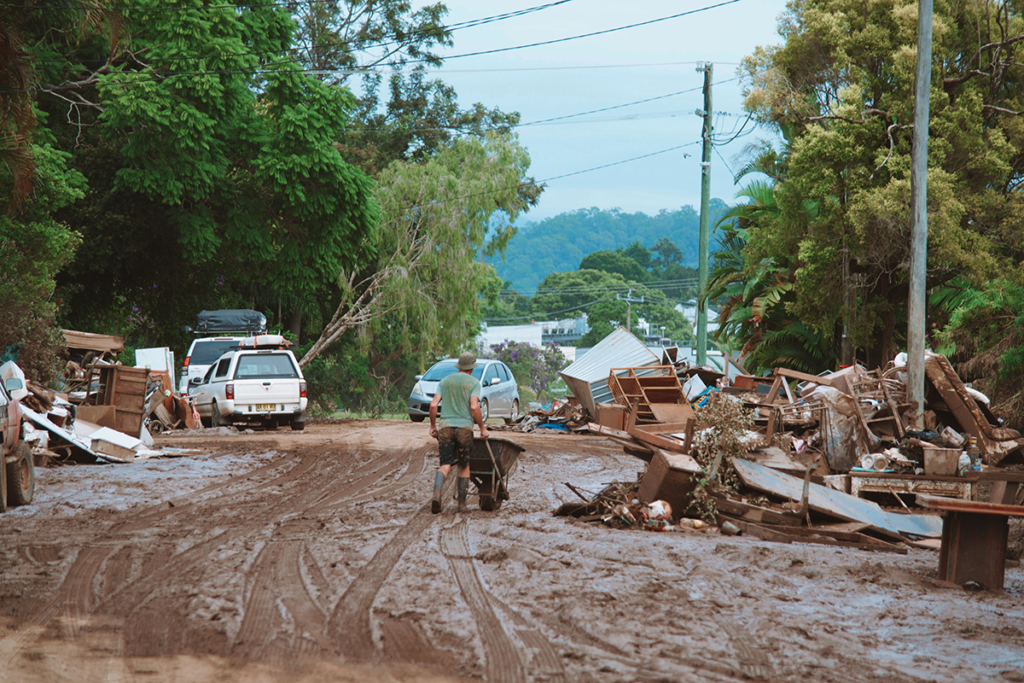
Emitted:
<point x="919" y="225"/>
<point x="629" y="309"/>
<point x="705" y="217"/>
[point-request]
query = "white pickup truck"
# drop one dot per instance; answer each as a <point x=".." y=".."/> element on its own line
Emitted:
<point x="262" y="386"/>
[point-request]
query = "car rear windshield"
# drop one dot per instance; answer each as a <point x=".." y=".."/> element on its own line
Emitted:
<point x="443" y="369"/>
<point x="207" y="352"/>
<point x="269" y="366"/>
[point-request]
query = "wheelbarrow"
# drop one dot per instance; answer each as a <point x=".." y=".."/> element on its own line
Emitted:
<point x="491" y="462"/>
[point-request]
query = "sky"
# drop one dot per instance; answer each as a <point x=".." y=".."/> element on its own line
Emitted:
<point x="639" y="63"/>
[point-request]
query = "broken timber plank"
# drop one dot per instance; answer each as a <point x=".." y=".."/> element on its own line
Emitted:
<point x="671" y="412"/>
<point x="802" y="376"/>
<point x="755" y="513"/>
<point x="670" y="444"/>
<point x="799" y="535"/>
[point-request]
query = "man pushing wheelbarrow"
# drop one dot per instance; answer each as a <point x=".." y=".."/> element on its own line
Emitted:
<point x="461" y="409"/>
<point x="455" y="444"/>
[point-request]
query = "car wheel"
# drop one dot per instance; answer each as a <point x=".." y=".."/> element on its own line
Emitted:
<point x="298" y="425"/>
<point x="515" y="413"/>
<point x="484" y="410"/>
<point x="21" y="477"/>
<point x="417" y="418"/>
<point x="215" y="419"/>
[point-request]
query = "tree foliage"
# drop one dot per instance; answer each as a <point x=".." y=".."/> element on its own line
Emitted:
<point x="566" y="295"/>
<point x="33" y="247"/>
<point x="986" y="332"/>
<point x="841" y="88"/>
<point x="436" y="219"/>
<point x="530" y="256"/>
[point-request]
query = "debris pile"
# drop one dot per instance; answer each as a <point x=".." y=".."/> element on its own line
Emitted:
<point x="828" y="459"/>
<point x="104" y="410"/>
<point x="563" y="417"/>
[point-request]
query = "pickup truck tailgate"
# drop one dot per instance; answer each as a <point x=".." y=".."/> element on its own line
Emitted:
<point x="260" y="391"/>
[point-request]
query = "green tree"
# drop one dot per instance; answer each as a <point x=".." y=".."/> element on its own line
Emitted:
<point x="985" y="333"/>
<point x="596" y="293"/>
<point x="238" y="148"/>
<point x="530" y="258"/>
<point x="422" y="296"/>
<point x="33" y="247"/>
<point x="842" y="87"/>
<point x="391" y="45"/>
<point x="615" y="262"/>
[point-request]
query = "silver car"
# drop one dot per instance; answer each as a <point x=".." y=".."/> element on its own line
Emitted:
<point x="499" y="392"/>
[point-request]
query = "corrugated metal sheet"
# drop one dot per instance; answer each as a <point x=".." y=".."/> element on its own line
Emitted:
<point x="587" y="378"/>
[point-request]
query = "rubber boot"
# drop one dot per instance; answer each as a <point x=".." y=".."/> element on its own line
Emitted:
<point x="463" y="490"/>
<point x="435" y="504"/>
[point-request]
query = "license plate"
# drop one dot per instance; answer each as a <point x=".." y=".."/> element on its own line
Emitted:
<point x="266" y="406"/>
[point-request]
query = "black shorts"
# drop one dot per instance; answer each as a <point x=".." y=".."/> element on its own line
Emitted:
<point x="454" y="445"/>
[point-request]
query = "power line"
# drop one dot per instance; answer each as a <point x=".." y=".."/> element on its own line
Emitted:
<point x="617" y="163"/>
<point x="457" y="26"/>
<point x="591" y="34"/>
<point x="618" y="106"/>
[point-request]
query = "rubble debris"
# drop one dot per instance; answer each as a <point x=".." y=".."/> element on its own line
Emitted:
<point x="957" y="404"/>
<point x="563" y="418"/>
<point x="654" y="396"/>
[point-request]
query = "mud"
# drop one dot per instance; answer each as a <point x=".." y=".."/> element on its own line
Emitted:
<point x="313" y="556"/>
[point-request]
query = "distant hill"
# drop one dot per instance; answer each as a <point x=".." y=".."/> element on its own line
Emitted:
<point x="558" y="244"/>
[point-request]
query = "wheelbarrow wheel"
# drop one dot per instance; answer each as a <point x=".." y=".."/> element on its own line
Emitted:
<point x="489" y="503"/>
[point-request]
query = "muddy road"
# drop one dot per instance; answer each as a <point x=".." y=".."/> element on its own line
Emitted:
<point x="313" y="556"/>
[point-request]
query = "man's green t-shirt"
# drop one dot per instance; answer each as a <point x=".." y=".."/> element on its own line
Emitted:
<point x="455" y="390"/>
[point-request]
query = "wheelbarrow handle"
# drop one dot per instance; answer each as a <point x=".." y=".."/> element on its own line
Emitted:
<point x="497" y="469"/>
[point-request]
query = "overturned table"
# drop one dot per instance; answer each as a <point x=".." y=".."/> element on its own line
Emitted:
<point x="974" y="537"/>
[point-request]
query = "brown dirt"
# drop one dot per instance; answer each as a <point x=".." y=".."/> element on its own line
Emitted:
<point x="311" y="556"/>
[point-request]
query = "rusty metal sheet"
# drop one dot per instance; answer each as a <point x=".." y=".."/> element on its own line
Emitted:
<point x="836" y="503"/>
<point x="587" y="378"/>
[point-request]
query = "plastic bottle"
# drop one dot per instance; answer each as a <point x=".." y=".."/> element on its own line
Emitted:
<point x="974" y="453"/>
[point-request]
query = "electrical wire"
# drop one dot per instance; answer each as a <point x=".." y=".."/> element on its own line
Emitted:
<point x="457" y="26"/>
<point x="620" y="106"/>
<point x="592" y="33"/>
<point x="617" y="163"/>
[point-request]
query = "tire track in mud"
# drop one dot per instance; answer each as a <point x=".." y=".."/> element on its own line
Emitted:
<point x="279" y="584"/>
<point x="754" y="663"/>
<point x="349" y="627"/>
<point x="411" y="475"/>
<point x="546" y="660"/>
<point x="185" y="504"/>
<point x="75" y="596"/>
<point x="185" y="563"/>
<point x="504" y="660"/>
<point x="369" y="473"/>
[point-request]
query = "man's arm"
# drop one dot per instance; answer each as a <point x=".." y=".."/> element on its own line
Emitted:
<point x="474" y="409"/>
<point x="433" y="412"/>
